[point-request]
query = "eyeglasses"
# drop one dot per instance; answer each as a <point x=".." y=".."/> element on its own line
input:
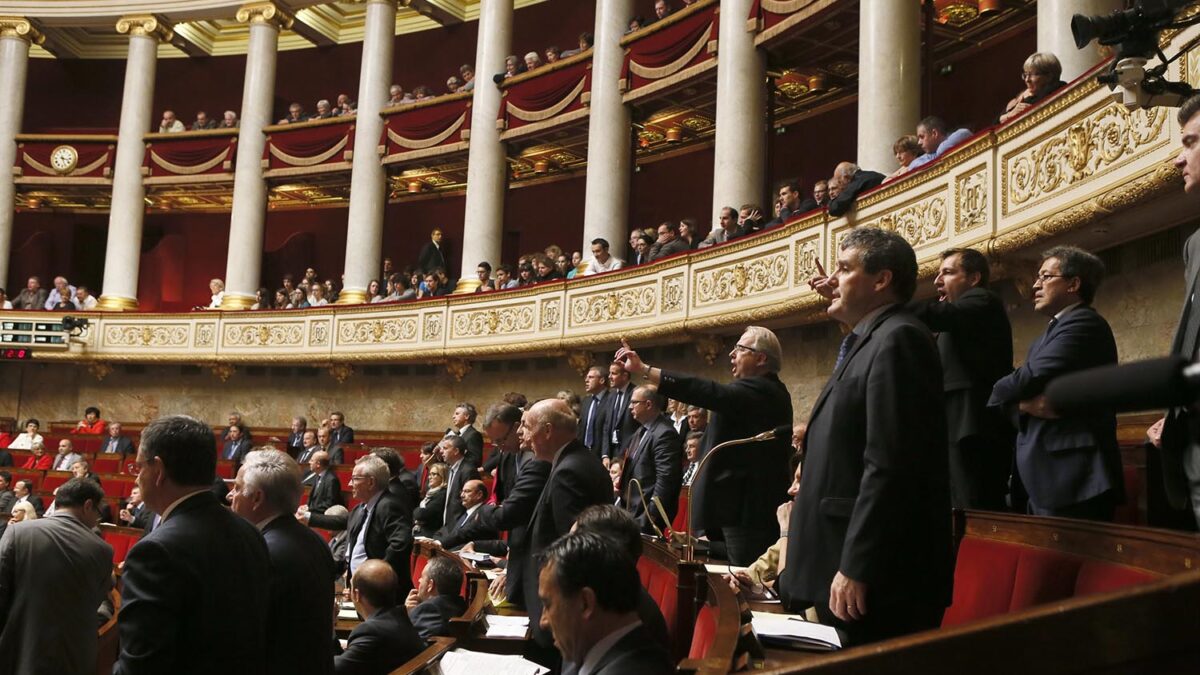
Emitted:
<point x="633" y="402"/>
<point x="1043" y="277"/>
<point x="744" y="348"/>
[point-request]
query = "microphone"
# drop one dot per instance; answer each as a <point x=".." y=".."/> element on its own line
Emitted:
<point x="645" y="506"/>
<point x="781" y="431"/>
<point x="1144" y="385"/>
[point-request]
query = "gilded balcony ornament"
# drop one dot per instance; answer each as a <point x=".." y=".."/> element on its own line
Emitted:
<point x="265" y="12"/>
<point x="318" y="333"/>
<point x="628" y="303"/>
<point x="146" y="336"/>
<point x="99" y="370"/>
<point x="144" y="26"/>
<point x="377" y="331"/>
<point x="971" y="200"/>
<point x="921" y="223"/>
<point x="808" y="252"/>
<point x="709" y="347"/>
<point x="223" y="371"/>
<point x="340" y="371"/>
<point x="581" y="361"/>
<point x="503" y="320"/>
<point x="264" y="335"/>
<point x="551" y="313"/>
<point x="672" y="293"/>
<point x="20" y="27"/>
<point x="205" y="335"/>
<point x="747" y="277"/>
<point x="458" y="368"/>
<point x="433" y="327"/>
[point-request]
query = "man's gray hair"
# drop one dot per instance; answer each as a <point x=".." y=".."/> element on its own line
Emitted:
<point x="278" y="477"/>
<point x="557" y="414"/>
<point x="765" y="342"/>
<point x="375" y="468"/>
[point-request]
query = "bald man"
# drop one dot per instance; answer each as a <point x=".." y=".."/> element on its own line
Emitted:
<point x="473" y="495"/>
<point x="386" y="637"/>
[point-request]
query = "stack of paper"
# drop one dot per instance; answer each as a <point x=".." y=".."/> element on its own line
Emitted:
<point x="791" y="630"/>
<point x="507" y="626"/>
<point x="465" y="662"/>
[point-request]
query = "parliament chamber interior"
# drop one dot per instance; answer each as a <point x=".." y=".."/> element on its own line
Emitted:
<point x="717" y="239"/>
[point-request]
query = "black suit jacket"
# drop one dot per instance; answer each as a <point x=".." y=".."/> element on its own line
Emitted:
<point x="513" y="515"/>
<point x="621" y="425"/>
<point x="196" y="594"/>
<point x="302" y="575"/>
<point x="432" y="257"/>
<point x="740" y="488"/>
<point x="874" y="500"/>
<point x="124" y="446"/>
<point x="577" y="480"/>
<point x="389" y="534"/>
<point x="598" y="420"/>
<point x="380" y="644"/>
<point x="466" y="471"/>
<point x="432" y="617"/>
<point x="295" y="444"/>
<point x="1071" y="459"/>
<point x="636" y="654"/>
<point x="474" y="441"/>
<point x="236" y="450"/>
<point x="476" y="526"/>
<point x="340" y="437"/>
<point x="142" y="515"/>
<point x="430" y="517"/>
<point x="405" y="487"/>
<point x="655" y="460"/>
<point x="326" y="491"/>
<point x="1178" y="431"/>
<point x="862" y="181"/>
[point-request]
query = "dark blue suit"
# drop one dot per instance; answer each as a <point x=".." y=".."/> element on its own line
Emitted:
<point x="1067" y="461"/>
<point x="302" y="575"/>
<point x="380" y="644"/>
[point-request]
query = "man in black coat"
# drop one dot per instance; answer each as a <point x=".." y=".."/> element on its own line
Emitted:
<point x="387" y="534"/>
<point x="236" y="445"/>
<point x="340" y="435"/>
<point x="621" y="425"/>
<point x="196" y="589"/>
<point x="402" y="482"/>
<point x="463" y="425"/>
<point x="594" y="416"/>
<point x="472" y="523"/>
<point x="459" y="470"/>
<point x="849" y="181"/>
<point x="655" y="461"/>
<point x="869" y="538"/>
<point x="437" y="598"/>
<point x="325" y="489"/>
<point x="974" y="339"/>
<point x="295" y="440"/>
<point x="433" y="255"/>
<point x="266" y="493"/>
<point x="386" y="637"/>
<point x="1070" y="466"/>
<point x="737" y="493"/>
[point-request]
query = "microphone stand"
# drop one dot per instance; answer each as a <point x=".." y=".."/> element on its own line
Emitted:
<point x="645" y="506"/>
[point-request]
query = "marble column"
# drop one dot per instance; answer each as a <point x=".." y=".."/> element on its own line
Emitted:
<point x="606" y="200"/>
<point x="1054" y="33"/>
<point x="368" y="180"/>
<point x="739" y="155"/>
<point x="16" y="33"/>
<point x="123" y="253"/>
<point x="243" y="266"/>
<point x="889" y="80"/>
<point x="483" y="224"/>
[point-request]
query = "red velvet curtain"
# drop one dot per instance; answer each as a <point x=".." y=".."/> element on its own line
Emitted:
<point x="308" y="143"/>
<point x="544" y="92"/>
<point x="660" y="48"/>
<point x="190" y="154"/>
<point x="421" y="124"/>
<point x="40" y="151"/>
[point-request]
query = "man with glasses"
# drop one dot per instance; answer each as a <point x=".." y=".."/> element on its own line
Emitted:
<point x="654" y="460"/>
<point x="1069" y="466"/>
<point x="736" y="495"/>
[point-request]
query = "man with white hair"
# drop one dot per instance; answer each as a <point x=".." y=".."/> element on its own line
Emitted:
<point x="63" y="291"/>
<point x="266" y="493"/>
<point x="849" y="181"/>
<point x="737" y="494"/>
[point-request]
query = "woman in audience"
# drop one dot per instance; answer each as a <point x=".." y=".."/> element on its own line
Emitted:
<point x="40" y="461"/>
<point x="552" y="54"/>
<point x="1042" y="75"/>
<point x="318" y="296"/>
<point x="689" y="233"/>
<point x="374" y="294"/>
<point x="91" y="424"/>
<point x="30" y="437"/>
<point x="22" y="511"/>
<point x="298" y="300"/>
<point x="5" y="303"/>
<point x="427" y="517"/>
<point x="546" y="270"/>
<point x="260" y="299"/>
<point x="217" y="287"/>
<point x="525" y="275"/>
<point x="281" y="299"/>
<point x="905" y="150"/>
<point x="332" y="288"/>
<point x="403" y="288"/>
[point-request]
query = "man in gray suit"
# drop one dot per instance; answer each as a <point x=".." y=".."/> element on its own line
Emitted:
<point x="54" y="573"/>
<point x="655" y="460"/>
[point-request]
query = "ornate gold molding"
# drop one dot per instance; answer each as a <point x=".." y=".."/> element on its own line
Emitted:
<point x="222" y="371"/>
<point x="458" y="368"/>
<point x="352" y="296"/>
<point x="340" y="371"/>
<point x="99" y="370"/>
<point x="709" y="347"/>
<point x="580" y="360"/>
<point x="144" y="26"/>
<point x="236" y="301"/>
<point x="267" y="13"/>
<point x="116" y="303"/>
<point x="20" y="27"/>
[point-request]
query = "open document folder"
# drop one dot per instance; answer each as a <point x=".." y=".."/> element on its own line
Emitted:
<point x="464" y="662"/>
<point x="794" y="632"/>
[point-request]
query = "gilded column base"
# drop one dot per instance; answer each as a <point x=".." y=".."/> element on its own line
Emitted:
<point x="233" y="301"/>
<point x="116" y="303"/>
<point x="350" y="296"/>
<point x="466" y="286"/>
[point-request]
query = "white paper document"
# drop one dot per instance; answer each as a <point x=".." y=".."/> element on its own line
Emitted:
<point x="466" y="662"/>
<point x="507" y="626"/>
<point x="792" y="630"/>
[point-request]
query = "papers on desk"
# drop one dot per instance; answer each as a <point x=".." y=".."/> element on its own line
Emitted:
<point x="724" y="569"/>
<point x="348" y="614"/>
<point x="499" y="626"/>
<point x="474" y="556"/>
<point x="491" y="574"/>
<point x="792" y="631"/>
<point x="466" y="662"/>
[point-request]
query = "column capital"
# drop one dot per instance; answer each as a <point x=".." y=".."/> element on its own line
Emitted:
<point x="266" y="13"/>
<point x="20" y="27"/>
<point x="144" y="25"/>
<point x="404" y="3"/>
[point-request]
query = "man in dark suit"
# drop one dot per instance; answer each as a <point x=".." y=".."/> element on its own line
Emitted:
<point x="308" y="447"/>
<point x="737" y="493"/>
<point x="594" y="416"/>
<point x="432" y="255"/>
<point x="236" y="445"/>
<point x="196" y="588"/>
<point x="116" y="443"/>
<point x="463" y="425"/>
<point x="577" y="480"/>
<point x="460" y="469"/>
<point x="340" y="435"/>
<point x="323" y="485"/>
<point x="791" y="205"/>
<point x="136" y="514"/>
<point x="402" y="482"/>
<point x="974" y="340"/>
<point x="266" y="493"/>
<point x="378" y="528"/>
<point x="849" y="181"/>
<point x="1070" y="466"/>
<point x="621" y="425"/>
<point x="437" y="598"/>
<point x="295" y="441"/>
<point x="386" y="637"/>
<point x="590" y="591"/>
<point x="472" y="523"/>
<point x="655" y="461"/>
<point x="869" y="537"/>
<point x="23" y="489"/>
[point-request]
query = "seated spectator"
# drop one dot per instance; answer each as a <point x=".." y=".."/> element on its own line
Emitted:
<point x="324" y="110"/>
<point x="552" y="54"/>
<point x="135" y="513"/>
<point x="820" y="193"/>
<point x="546" y="270"/>
<point x="427" y="516"/>
<point x="170" y="124"/>
<point x="483" y="273"/>
<point x="668" y="242"/>
<point x="203" y="122"/>
<point x="386" y="637"/>
<point x="81" y="468"/>
<point x="662" y="9"/>
<point x="217" y="287"/>
<point x="374" y="292"/>
<point x="33" y="296"/>
<point x="1042" y="75"/>
<point x="403" y="288"/>
<point x="261" y="299"/>
<point x="298" y="300"/>
<point x="5" y="303"/>
<point x="931" y="134"/>
<point x="635" y="24"/>
<point x="468" y="77"/>
<point x="432" y="286"/>
<point x="22" y="511"/>
<point x="642" y="249"/>
<point x="726" y="228"/>
<point x="526" y="275"/>
<point x="63" y="291"/>
<point x="40" y="460"/>
<point x="436" y="599"/>
<point x="563" y="264"/>
<point x="63" y="306"/>
<point x="585" y="43"/>
<point x="28" y="438"/>
<point x="512" y="66"/>
<point x="229" y="120"/>
<point x="763" y="572"/>
<point x="91" y="424"/>
<point x="84" y="298"/>
<point x="504" y="279"/>
<point x="533" y="60"/>
<point x="905" y="149"/>
<point x="281" y="299"/>
<point x="422" y="93"/>
<point x="791" y="205"/>
<point x="295" y="114"/>
<point x="115" y="443"/>
<point x="691" y="451"/>
<point x="850" y="181"/>
<point x="66" y="456"/>
<point x="576" y="261"/>
<point x="345" y="106"/>
<point x="317" y="295"/>
<point x="453" y="85"/>
<point x="395" y="94"/>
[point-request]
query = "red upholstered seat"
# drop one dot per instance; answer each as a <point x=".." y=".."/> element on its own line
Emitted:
<point x="352" y="454"/>
<point x="418" y="565"/>
<point x="680" y="522"/>
<point x="325" y="534"/>
<point x="121" y="543"/>
<point x="1130" y="512"/>
<point x="983" y="580"/>
<point x="1043" y="576"/>
<point x="644" y="567"/>
<point x="225" y="468"/>
<point x="107" y="464"/>
<point x="704" y="632"/>
<point x="1097" y="576"/>
<point x="54" y="479"/>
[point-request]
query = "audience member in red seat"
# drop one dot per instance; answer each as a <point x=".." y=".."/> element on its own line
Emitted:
<point x="266" y="493"/>
<point x="974" y="339"/>
<point x="91" y="424"/>
<point x="436" y="599"/>
<point x="295" y="439"/>
<point x="1070" y="466"/>
<point x="738" y="493"/>
<point x="55" y="572"/>
<point x="386" y="637"/>
<point x="760" y="575"/>
<point x="1042" y="75"/>
<point x="33" y="296"/>
<point x="615" y="523"/>
<point x="201" y="578"/>
<point x="851" y="182"/>
<point x="668" y="242"/>
<point x="590" y="591"/>
<point x="325" y="490"/>
<point x="336" y="454"/>
<point x="237" y="446"/>
<point x="26" y="439"/>
<point x="23" y="489"/>
<point x="116" y="443"/>
<point x="936" y="140"/>
<point x="430" y="512"/>
<point x="136" y="513"/>
<point x="905" y="149"/>
<point x="39" y="461"/>
<point x="472" y="524"/>
<point x="66" y="456"/>
<point x="654" y="459"/>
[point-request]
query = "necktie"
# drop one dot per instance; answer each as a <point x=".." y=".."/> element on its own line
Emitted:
<point x="588" y="431"/>
<point x="359" y="553"/>
<point x="1052" y="324"/>
<point x="847" y="345"/>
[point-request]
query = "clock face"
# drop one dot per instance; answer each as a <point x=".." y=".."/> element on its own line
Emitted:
<point x="64" y="159"/>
